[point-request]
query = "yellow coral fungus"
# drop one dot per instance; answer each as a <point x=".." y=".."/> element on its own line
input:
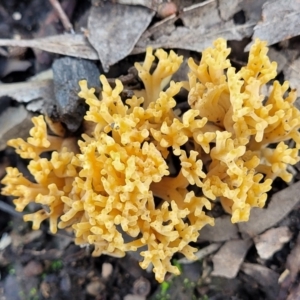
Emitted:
<point x="117" y="191"/>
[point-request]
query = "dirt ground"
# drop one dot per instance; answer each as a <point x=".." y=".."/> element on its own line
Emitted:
<point x="38" y="265"/>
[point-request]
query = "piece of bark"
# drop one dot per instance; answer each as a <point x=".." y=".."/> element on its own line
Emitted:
<point x="272" y="241"/>
<point x="265" y="277"/>
<point x="66" y="44"/>
<point x="280" y="205"/>
<point x="114" y="29"/>
<point x="228" y="259"/>
<point x="15" y="122"/>
<point x="223" y="230"/>
<point x="68" y="107"/>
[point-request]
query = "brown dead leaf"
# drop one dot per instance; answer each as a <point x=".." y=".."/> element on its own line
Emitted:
<point x="223" y="230"/>
<point x="280" y="205"/>
<point x="67" y="44"/>
<point x="252" y="9"/>
<point x="272" y="241"/>
<point x="14" y="122"/>
<point x="123" y="27"/>
<point x="280" y="21"/>
<point x="203" y="24"/>
<point x="229" y="258"/>
<point x="265" y="277"/>
<point x="28" y="91"/>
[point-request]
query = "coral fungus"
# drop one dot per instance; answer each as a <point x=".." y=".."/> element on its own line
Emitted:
<point x="117" y="191"/>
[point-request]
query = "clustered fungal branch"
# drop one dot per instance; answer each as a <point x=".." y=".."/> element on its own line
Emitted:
<point x="104" y="190"/>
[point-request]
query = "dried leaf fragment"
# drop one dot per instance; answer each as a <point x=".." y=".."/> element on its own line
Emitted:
<point x="229" y="258"/>
<point x="272" y="241"/>
<point x="124" y="25"/>
<point x="25" y="92"/>
<point x="202" y="25"/>
<point x="14" y="122"/>
<point x="284" y="15"/>
<point x="223" y="230"/>
<point x="67" y="44"/>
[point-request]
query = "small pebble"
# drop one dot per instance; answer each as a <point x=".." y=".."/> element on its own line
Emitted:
<point x="134" y="297"/>
<point x="142" y="287"/>
<point x="33" y="268"/>
<point x="107" y="269"/>
<point x="166" y="9"/>
<point x="17" y="16"/>
<point x="94" y="288"/>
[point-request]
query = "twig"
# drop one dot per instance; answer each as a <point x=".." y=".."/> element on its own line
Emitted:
<point x="202" y="253"/>
<point x="194" y="6"/>
<point x="10" y="210"/>
<point x="62" y="15"/>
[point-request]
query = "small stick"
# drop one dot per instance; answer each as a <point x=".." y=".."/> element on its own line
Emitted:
<point x="62" y="15"/>
<point x="10" y="210"/>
